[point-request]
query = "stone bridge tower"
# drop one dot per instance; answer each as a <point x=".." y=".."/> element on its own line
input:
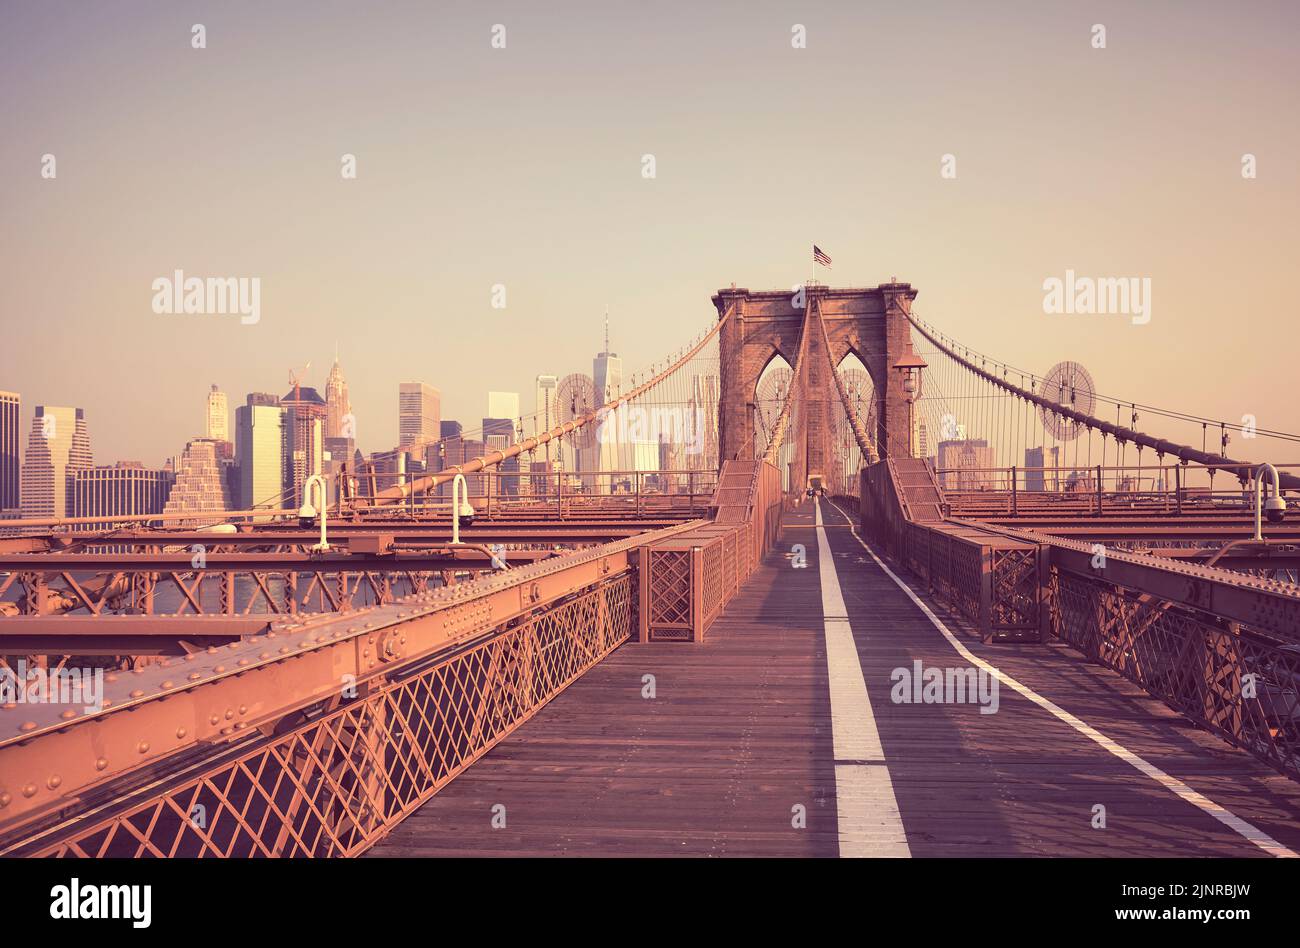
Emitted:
<point x="869" y="322"/>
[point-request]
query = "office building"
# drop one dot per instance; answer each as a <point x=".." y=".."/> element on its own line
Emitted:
<point x="58" y="447"/>
<point x="607" y="374"/>
<point x="457" y="451"/>
<point x="966" y="465"/>
<point x="1036" y="459"/>
<point x="203" y="482"/>
<point x="545" y="412"/>
<point x="338" y="408"/>
<point x="260" y="438"/>
<point x="125" y="489"/>
<point x="305" y="414"/>
<point x="218" y="421"/>
<point x="418" y="414"/>
<point x="499" y="434"/>
<point x="11" y="421"/>
<point x="503" y="405"/>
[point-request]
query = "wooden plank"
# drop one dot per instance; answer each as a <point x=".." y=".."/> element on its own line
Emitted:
<point x="738" y="733"/>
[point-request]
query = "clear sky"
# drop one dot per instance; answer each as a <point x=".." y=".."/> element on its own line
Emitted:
<point x="522" y="166"/>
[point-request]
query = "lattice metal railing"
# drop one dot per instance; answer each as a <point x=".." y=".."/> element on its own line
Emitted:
<point x="338" y="780"/>
<point x="1228" y="678"/>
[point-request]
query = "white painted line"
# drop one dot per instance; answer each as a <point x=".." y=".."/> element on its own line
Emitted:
<point x="1173" y="784"/>
<point x="867" y="810"/>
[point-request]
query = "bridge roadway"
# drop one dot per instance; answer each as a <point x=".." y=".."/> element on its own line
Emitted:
<point x="741" y="731"/>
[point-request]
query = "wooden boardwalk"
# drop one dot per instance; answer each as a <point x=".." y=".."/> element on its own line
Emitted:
<point x="738" y="736"/>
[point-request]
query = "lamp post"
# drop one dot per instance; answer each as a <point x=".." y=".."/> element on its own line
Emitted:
<point x="1274" y="507"/>
<point x="461" y="511"/>
<point x="307" y="512"/>
<point x="909" y="366"/>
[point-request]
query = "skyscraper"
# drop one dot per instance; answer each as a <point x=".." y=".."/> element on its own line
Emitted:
<point x="122" y="490"/>
<point x="418" y="414"/>
<point x="607" y="372"/>
<point x="260" y="446"/>
<point x="305" y="414"/>
<point x="11" y="419"/>
<point x="966" y="464"/>
<point x="218" y="427"/>
<point x="545" y="415"/>
<point x="457" y="451"/>
<point x="1036" y="460"/>
<point x="201" y="482"/>
<point x="503" y="405"/>
<point x="499" y="434"/>
<point x="58" y="447"/>
<point x="337" y="405"/>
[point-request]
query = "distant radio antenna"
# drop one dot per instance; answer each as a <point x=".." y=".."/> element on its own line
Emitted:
<point x="606" y="328"/>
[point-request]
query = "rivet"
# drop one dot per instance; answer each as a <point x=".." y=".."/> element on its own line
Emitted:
<point x="180" y="732"/>
<point x="144" y="747"/>
<point x="219" y="669"/>
<point x="214" y="720"/>
<point x="226" y="730"/>
<point x="264" y="655"/>
<point x="212" y="650"/>
<point x="194" y="676"/>
<point x="68" y="715"/>
<point x="27" y="726"/>
<point x="54" y="781"/>
<point x="284" y="649"/>
<point x="242" y="661"/>
<point x="4" y="799"/>
<point x="189" y="657"/>
<point x="168" y="684"/>
<point x="243" y="709"/>
<point x="229" y="714"/>
<point x="137" y="693"/>
<point x="29" y="790"/>
<point x="101" y="763"/>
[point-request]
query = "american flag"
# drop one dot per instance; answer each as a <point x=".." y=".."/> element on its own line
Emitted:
<point x="820" y="257"/>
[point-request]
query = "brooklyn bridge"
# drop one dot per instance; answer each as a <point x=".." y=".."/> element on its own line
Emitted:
<point x="1073" y="630"/>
